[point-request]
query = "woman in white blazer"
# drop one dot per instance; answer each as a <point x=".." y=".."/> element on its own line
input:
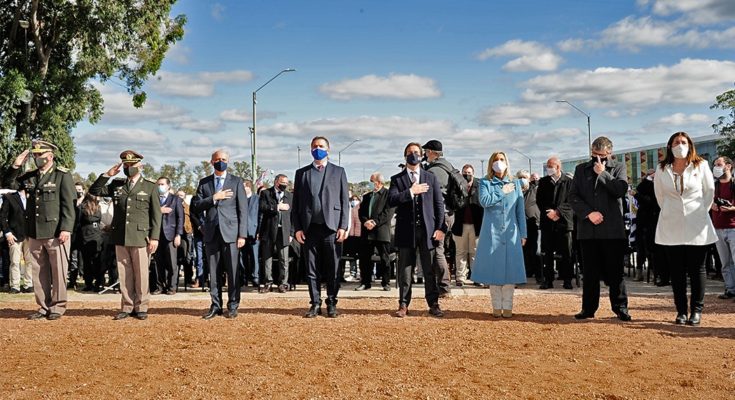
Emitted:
<point x="684" y="190"/>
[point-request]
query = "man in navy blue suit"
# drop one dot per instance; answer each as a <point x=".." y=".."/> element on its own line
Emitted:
<point x="221" y="197"/>
<point x="321" y="211"/>
<point x="172" y="228"/>
<point x="417" y="196"/>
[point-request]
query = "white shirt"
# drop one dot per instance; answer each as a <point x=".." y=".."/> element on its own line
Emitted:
<point x="684" y="218"/>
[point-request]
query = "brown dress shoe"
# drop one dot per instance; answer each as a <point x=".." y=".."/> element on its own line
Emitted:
<point x="402" y="312"/>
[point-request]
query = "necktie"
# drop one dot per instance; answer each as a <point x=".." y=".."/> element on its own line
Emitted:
<point x="218" y="186"/>
<point x="413" y="177"/>
<point x="320" y="168"/>
<point x="163" y="199"/>
<point x="370" y="207"/>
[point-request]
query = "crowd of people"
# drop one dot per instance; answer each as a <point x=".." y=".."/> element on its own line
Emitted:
<point x="431" y="222"/>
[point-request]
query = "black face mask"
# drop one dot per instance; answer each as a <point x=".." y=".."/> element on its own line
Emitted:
<point x="282" y="187"/>
<point x="413" y="159"/>
<point x="467" y="177"/>
<point x="80" y="195"/>
<point x="602" y="159"/>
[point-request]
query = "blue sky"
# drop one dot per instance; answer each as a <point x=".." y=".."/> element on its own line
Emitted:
<point x="481" y="76"/>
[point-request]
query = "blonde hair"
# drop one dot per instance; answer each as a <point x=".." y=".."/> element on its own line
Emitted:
<point x="491" y="173"/>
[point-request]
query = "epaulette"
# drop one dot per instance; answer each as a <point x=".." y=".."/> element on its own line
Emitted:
<point x="149" y="180"/>
<point x="62" y="169"/>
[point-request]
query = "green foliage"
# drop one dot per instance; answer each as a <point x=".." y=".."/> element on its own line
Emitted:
<point x="68" y="45"/>
<point x="725" y="125"/>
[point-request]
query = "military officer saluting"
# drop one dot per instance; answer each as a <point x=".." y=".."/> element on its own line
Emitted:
<point x="49" y="221"/>
<point x="136" y="224"/>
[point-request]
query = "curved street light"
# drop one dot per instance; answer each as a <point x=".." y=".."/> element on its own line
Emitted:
<point x="589" y="131"/>
<point x="339" y="154"/>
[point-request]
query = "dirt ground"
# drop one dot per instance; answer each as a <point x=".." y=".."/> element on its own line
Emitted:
<point x="270" y="351"/>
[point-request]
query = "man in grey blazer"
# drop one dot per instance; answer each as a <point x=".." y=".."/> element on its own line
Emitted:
<point x="221" y="198"/>
<point x="320" y="218"/>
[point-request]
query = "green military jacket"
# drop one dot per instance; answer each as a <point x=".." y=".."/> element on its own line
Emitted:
<point x="51" y="201"/>
<point x="136" y="217"/>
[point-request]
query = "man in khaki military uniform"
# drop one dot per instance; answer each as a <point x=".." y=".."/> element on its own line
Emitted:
<point x="136" y="224"/>
<point x="49" y="222"/>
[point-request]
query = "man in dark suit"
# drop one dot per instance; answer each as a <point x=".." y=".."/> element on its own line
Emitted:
<point x="598" y="188"/>
<point x="172" y="229"/>
<point x="275" y="230"/>
<point x="320" y="218"/>
<point x="249" y="261"/>
<point x="466" y="226"/>
<point x="375" y="217"/>
<point x="419" y="203"/>
<point x="221" y="197"/>
<point x="13" y="221"/>
<point x="557" y="223"/>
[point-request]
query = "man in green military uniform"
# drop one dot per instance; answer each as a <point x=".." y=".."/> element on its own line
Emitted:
<point x="136" y="224"/>
<point x="49" y="220"/>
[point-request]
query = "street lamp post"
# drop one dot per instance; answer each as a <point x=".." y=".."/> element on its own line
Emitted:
<point x="298" y="155"/>
<point x="524" y="155"/>
<point x="482" y="168"/>
<point x="339" y="154"/>
<point x="589" y="130"/>
<point x="253" y="128"/>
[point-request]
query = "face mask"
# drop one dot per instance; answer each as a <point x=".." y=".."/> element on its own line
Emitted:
<point x="680" y="151"/>
<point x="354" y="203"/>
<point x="413" y="159"/>
<point x="550" y="171"/>
<point x="467" y="177"/>
<point x="499" y="166"/>
<point x="220" y="166"/>
<point x="649" y="177"/>
<point x="162" y="189"/>
<point x="319" y="154"/>
<point x="41" y="161"/>
<point x="282" y="187"/>
<point x="130" y="171"/>
<point x="524" y="182"/>
<point x="718" y="171"/>
<point x="80" y="195"/>
<point x="602" y="159"/>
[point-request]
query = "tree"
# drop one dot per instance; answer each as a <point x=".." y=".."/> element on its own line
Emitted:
<point x="725" y="125"/>
<point x="51" y="51"/>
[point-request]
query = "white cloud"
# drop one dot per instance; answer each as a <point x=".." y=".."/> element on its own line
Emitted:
<point x="696" y="11"/>
<point x="394" y="86"/>
<point x="633" y="33"/>
<point x="691" y="81"/>
<point x="530" y="56"/>
<point x="235" y="115"/>
<point x="572" y="45"/>
<point x="179" y="53"/>
<point x="521" y="114"/>
<point x="218" y="11"/>
<point x="361" y="127"/>
<point x="679" y="119"/>
<point x="194" y="85"/>
<point x="197" y="125"/>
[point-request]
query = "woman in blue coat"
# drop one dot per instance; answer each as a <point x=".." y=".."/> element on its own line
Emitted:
<point x="499" y="259"/>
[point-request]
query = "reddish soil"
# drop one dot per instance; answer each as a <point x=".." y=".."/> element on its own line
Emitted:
<point x="270" y="351"/>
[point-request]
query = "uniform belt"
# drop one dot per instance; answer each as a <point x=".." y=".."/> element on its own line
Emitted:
<point x="95" y="224"/>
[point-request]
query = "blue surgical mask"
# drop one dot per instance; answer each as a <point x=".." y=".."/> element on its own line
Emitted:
<point x="319" y="154"/>
<point x="162" y="189"/>
<point x="524" y="182"/>
<point x="354" y="203"/>
<point x="220" y="166"/>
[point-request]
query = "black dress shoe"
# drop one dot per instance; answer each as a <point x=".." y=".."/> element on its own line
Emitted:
<point x="14" y="291"/>
<point x="726" y="295"/>
<point x="291" y="288"/>
<point x="436" y="311"/>
<point x="695" y="319"/>
<point x="568" y="285"/>
<point x="53" y="316"/>
<point x="623" y="315"/>
<point x="386" y="288"/>
<point x="545" y="286"/>
<point x="331" y="311"/>
<point x="583" y="315"/>
<point x="141" y="316"/>
<point x="36" y="315"/>
<point x="314" y="310"/>
<point x="213" y="312"/>
<point x="121" y="315"/>
<point x="232" y="314"/>
<point x="681" y="319"/>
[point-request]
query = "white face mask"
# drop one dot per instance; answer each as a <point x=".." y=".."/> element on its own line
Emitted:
<point x="680" y="151"/>
<point x="550" y="171"/>
<point x="354" y="203"/>
<point x="649" y="177"/>
<point x="499" y="166"/>
<point x="718" y="171"/>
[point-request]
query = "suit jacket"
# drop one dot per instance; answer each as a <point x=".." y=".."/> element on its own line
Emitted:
<point x="603" y="193"/>
<point x="550" y="196"/>
<point x="432" y="204"/>
<point x="172" y="224"/>
<point x="230" y="216"/>
<point x="475" y="208"/>
<point x="51" y="201"/>
<point x="136" y="217"/>
<point x="382" y="215"/>
<point x="13" y="216"/>
<point x="89" y="226"/>
<point x="253" y="218"/>
<point x="648" y="209"/>
<point x="269" y="217"/>
<point x="334" y="198"/>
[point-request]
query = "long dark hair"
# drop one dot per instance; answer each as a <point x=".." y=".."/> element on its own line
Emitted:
<point x="91" y="205"/>
<point x="692" y="156"/>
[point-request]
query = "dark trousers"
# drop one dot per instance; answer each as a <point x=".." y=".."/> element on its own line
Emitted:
<point x="222" y="258"/>
<point x="366" y="262"/>
<point x="184" y="258"/>
<point x="530" y="258"/>
<point x="683" y="261"/>
<point x="248" y="262"/>
<point x="442" y="273"/>
<point x="167" y="269"/>
<point x="320" y="251"/>
<point x="603" y="259"/>
<point x="557" y="242"/>
<point x="94" y="274"/>
<point x="407" y="257"/>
